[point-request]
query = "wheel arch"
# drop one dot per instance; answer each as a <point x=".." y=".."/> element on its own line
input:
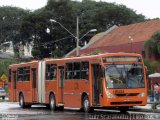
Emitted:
<point x="52" y="92"/>
<point x="82" y="97"/>
<point x="20" y="93"/>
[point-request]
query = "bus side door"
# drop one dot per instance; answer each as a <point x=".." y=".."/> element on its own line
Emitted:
<point x="14" y="85"/>
<point x="34" y="84"/>
<point x="61" y="84"/>
<point x="96" y="83"/>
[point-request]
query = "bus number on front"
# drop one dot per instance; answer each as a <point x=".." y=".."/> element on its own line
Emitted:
<point x="118" y="91"/>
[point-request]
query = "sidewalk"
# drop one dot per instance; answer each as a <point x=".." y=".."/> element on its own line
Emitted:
<point x="150" y="107"/>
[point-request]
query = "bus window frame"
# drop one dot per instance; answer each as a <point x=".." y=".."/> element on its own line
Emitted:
<point x="71" y="70"/>
<point x="68" y="70"/>
<point x="53" y="66"/>
<point x="24" y="75"/>
<point x="75" y="71"/>
<point x="86" y="70"/>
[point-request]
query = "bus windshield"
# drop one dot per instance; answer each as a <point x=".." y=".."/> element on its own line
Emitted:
<point x="124" y="76"/>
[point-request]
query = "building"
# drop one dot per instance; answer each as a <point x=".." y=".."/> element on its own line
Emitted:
<point x="128" y="38"/>
<point x="7" y="50"/>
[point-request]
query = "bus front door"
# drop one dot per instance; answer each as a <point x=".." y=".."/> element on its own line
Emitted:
<point x="96" y="85"/>
<point x="61" y="84"/>
<point x="34" y="86"/>
<point x="14" y="85"/>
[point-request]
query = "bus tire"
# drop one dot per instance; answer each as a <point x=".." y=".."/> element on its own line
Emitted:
<point x="123" y="109"/>
<point x="86" y="106"/>
<point x="47" y="106"/>
<point x="28" y="106"/>
<point x="61" y="108"/>
<point x="52" y="102"/>
<point x="21" y="101"/>
<point x="3" y="97"/>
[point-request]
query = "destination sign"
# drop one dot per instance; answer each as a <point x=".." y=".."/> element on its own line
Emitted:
<point x="122" y="59"/>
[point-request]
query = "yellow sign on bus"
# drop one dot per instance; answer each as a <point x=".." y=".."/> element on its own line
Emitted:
<point x="3" y="77"/>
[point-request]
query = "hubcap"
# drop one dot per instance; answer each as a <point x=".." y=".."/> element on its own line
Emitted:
<point x="21" y="101"/>
<point x="86" y="105"/>
<point x="52" y="102"/>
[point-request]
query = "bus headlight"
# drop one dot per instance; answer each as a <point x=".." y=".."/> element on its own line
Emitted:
<point x="141" y="94"/>
<point x="110" y="95"/>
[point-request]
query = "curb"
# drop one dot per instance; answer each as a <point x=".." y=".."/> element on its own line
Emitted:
<point x="145" y="110"/>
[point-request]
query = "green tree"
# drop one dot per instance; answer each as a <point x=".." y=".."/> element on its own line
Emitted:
<point x="102" y="15"/>
<point x="152" y="66"/>
<point x="35" y="24"/>
<point x="92" y="15"/>
<point x="33" y="29"/>
<point x="152" y="45"/>
<point x="4" y="65"/>
<point x="10" y="22"/>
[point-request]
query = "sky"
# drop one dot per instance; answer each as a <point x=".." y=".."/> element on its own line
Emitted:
<point x="149" y="8"/>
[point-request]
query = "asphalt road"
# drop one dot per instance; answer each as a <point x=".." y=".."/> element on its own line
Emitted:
<point x="10" y="110"/>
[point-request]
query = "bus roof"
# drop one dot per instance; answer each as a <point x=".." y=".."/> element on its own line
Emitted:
<point x="23" y="63"/>
<point x="96" y="56"/>
<point x="80" y="57"/>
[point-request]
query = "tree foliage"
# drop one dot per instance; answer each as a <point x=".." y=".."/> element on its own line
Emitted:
<point x="10" y="22"/>
<point x="152" y="66"/>
<point x="56" y="43"/>
<point x="4" y="65"/>
<point x="152" y="45"/>
<point x="34" y="28"/>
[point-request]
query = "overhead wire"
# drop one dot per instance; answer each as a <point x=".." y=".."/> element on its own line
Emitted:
<point x="53" y="41"/>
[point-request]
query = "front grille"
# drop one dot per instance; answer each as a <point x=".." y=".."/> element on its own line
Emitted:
<point x="127" y="94"/>
<point x="126" y="102"/>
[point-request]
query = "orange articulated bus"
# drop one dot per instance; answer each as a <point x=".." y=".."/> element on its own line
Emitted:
<point x="98" y="81"/>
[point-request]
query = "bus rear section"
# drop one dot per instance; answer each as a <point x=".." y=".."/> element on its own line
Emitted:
<point x="26" y="83"/>
<point x="124" y="82"/>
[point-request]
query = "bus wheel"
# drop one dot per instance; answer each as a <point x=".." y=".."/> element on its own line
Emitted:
<point x="21" y="101"/>
<point x="3" y="97"/>
<point x="61" y="108"/>
<point x="123" y="109"/>
<point x="52" y="102"/>
<point x="28" y="106"/>
<point x="86" y="106"/>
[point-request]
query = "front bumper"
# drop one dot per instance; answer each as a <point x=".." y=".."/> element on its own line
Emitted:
<point x="129" y="101"/>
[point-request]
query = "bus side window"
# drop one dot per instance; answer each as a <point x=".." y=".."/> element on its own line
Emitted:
<point x="20" y="74"/>
<point x="23" y="74"/>
<point x="76" y="70"/>
<point x="51" y="71"/>
<point x="26" y="73"/>
<point x="84" y="70"/>
<point x="69" y="71"/>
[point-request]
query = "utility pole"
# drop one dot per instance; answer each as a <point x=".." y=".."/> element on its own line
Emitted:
<point x="77" y="37"/>
<point x="77" y="31"/>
